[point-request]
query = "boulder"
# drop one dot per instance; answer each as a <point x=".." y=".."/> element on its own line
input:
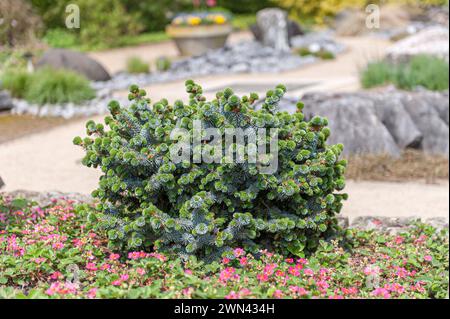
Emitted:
<point x="391" y="112"/>
<point x="354" y="123"/>
<point x="427" y="119"/>
<point x="440" y="102"/>
<point x="6" y="102"/>
<point x="273" y="26"/>
<point x="76" y="61"/>
<point x="294" y="30"/>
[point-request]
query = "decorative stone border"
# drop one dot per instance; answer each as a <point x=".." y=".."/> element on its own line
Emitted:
<point x="392" y="225"/>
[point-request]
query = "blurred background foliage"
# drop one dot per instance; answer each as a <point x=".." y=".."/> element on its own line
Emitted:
<point x="320" y="10"/>
<point x="115" y="23"/>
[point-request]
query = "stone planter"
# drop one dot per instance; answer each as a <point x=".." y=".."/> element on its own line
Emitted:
<point x="196" y="40"/>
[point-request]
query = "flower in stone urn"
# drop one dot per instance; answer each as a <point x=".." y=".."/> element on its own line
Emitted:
<point x="195" y="33"/>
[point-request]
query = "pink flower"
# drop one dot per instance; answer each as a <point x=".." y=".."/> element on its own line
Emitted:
<point x="188" y="272"/>
<point x="428" y="258"/>
<point x="401" y="272"/>
<point x="160" y="257"/>
<point x="243" y="261"/>
<point x="308" y="272"/>
<point x="302" y="261"/>
<point x="245" y="292"/>
<point x="39" y="260"/>
<point x="371" y="270"/>
<point x="322" y="285"/>
<point x="92" y="293"/>
<point x="269" y="269"/>
<point x="289" y="260"/>
<point x="399" y="240"/>
<point x="116" y="283"/>
<point x="294" y="271"/>
<point x="239" y="252"/>
<point x="381" y="292"/>
<point x="262" y="277"/>
<point x="53" y="289"/>
<point x="188" y="291"/>
<point x="141" y="271"/>
<point x="124" y="277"/>
<point x="225" y="260"/>
<point x="302" y="291"/>
<point x="134" y="255"/>
<point x="211" y="3"/>
<point x="91" y="266"/>
<point x="226" y="274"/>
<point x="278" y="294"/>
<point x="105" y="267"/>
<point x="114" y="256"/>
<point x="56" y="275"/>
<point x="77" y="242"/>
<point x="232" y="295"/>
<point x="396" y="288"/>
<point x="58" y="246"/>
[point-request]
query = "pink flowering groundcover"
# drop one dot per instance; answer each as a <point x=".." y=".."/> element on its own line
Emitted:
<point x="56" y="252"/>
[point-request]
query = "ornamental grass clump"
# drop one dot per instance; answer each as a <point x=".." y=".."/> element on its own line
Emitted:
<point x="205" y="208"/>
<point x="48" y="86"/>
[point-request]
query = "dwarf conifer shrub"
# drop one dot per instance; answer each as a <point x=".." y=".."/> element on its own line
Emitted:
<point x="206" y="209"/>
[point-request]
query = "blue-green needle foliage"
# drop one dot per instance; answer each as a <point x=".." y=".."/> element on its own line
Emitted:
<point x="207" y="209"/>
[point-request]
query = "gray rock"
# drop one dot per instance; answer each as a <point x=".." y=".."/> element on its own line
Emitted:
<point x="354" y="123"/>
<point x="381" y="121"/>
<point x="2" y="183"/>
<point x="246" y="56"/>
<point x="392" y="114"/>
<point x="47" y="198"/>
<point x="318" y="40"/>
<point x="6" y="102"/>
<point x="438" y="100"/>
<point x="273" y="26"/>
<point x="69" y="110"/>
<point x="437" y="222"/>
<point x="434" y="130"/>
<point x="76" y="61"/>
<point x="294" y="30"/>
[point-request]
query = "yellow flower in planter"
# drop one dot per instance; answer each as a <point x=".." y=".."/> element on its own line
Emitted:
<point x="219" y="19"/>
<point x="194" y="20"/>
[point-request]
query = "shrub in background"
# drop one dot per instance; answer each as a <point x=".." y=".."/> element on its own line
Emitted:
<point x="244" y="6"/>
<point x="16" y="82"/>
<point x="102" y="22"/>
<point x="58" y="86"/>
<point x="163" y="64"/>
<point x="321" y="54"/>
<point x="61" y="38"/>
<point x="135" y="65"/>
<point x="422" y="70"/>
<point x="48" y="86"/>
<point x="206" y="209"/>
<point x="320" y="10"/>
<point x="18" y="23"/>
<point x="155" y="15"/>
